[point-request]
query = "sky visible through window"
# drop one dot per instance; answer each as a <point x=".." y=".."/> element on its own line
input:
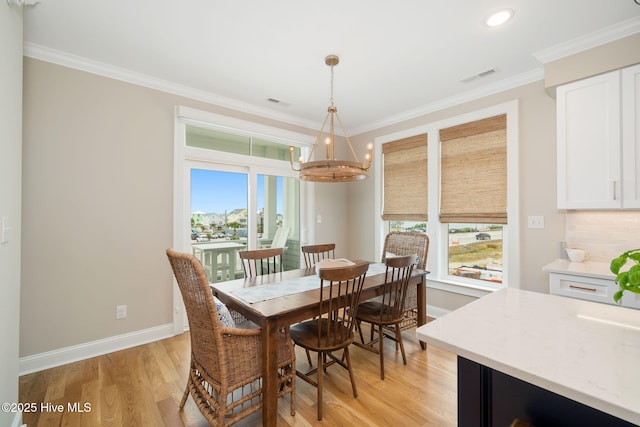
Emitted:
<point x="217" y="191"/>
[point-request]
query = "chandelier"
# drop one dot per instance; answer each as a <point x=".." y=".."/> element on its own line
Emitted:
<point x="330" y="169"/>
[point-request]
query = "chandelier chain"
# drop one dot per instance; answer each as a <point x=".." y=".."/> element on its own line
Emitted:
<point x="331" y="99"/>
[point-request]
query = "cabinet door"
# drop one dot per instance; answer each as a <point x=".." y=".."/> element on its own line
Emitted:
<point x="588" y="113"/>
<point x="631" y="137"/>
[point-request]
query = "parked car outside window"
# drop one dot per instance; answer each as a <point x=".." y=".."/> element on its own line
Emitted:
<point x="483" y="236"/>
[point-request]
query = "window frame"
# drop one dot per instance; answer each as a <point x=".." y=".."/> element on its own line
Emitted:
<point x="437" y="261"/>
<point x="186" y="157"/>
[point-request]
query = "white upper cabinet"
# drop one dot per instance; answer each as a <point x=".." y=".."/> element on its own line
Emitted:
<point x="589" y="143"/>
<point x="631" y="137"/>
<point x="598" y="141"/>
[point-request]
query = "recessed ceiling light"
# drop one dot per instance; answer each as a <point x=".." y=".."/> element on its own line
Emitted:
<point x="500" y="18"/>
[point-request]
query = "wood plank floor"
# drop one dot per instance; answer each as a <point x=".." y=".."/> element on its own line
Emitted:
<point x="142" y="386"/>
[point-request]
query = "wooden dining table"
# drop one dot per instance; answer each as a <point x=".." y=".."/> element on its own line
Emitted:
<point x="282" y="299"/>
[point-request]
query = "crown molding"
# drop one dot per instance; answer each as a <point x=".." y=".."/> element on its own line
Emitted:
<point x="83" y="64"/>
<point x="609" y="34"/>
<point x="472" y="95"/>
<point x="606" y="35"/>
<point x="54" y="56"/>
<point x="20" y="3"/>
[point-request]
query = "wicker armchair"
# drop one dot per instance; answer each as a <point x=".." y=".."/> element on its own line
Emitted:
<point x="389" y="312"/>
<point x="403" y="243"/>
<point x="316" y="253"/>
<point x="339" y="294"/>
<point x="261" y="261"/>
<point x="226" y="364"/>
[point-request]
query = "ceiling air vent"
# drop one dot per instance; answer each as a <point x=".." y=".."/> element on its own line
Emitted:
<point x="478" y="75"/>
<point x="278" y="102"/>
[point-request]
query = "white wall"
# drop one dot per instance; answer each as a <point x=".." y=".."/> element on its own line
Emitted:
<point x="97" y="217"/>
<point x="10" y="202"/>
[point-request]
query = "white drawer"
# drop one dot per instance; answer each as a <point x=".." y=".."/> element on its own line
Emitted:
<point x="631" y="300"/>
<point x="587" y="288"/>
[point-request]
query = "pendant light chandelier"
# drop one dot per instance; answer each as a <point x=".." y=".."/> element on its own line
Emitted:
<point x="330" y="169"/>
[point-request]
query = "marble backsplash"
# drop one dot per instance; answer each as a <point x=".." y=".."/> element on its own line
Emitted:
<point x="604" y="234"/>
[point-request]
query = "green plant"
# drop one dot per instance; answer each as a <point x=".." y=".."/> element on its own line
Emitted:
<point x="627" y="280"/>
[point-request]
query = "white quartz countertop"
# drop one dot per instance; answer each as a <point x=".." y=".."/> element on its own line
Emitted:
<point x="599" y="270"/>
<point x="586" y="351"/>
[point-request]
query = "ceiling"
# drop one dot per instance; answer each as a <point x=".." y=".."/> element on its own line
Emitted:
<point x="398" y="59"/>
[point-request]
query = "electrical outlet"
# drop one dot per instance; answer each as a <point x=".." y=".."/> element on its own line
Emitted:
<point x="121" y="311"/>
<point x="535" y="222"/>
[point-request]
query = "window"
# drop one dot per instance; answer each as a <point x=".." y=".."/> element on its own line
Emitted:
<point x="472" y="171"/>
<point x="473" y="196"/>
<point x="475" y="251"/>
<point x="222" y="204"/>
<point x="212" y="139"/>
<point x="211" y="151"/>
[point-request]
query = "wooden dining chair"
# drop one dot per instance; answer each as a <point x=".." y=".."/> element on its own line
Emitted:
<point x="316" y="253"/>
<point x="261" y="261"/>
<point x="226" y="361"/>
<point x="339" y="297"/>
<point x="402" y="243"/>
<point x="389" y="310"/>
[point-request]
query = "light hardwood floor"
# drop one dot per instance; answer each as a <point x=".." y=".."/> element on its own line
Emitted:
<point x="142" y="386"/>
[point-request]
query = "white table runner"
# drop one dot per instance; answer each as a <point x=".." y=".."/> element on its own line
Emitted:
<point x="291" y="286"/>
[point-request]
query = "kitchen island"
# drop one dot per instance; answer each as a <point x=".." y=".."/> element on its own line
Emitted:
<point x="543" y="359"/>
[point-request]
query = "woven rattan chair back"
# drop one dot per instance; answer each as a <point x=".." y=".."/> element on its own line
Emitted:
<point x="339" y="297"/>
<point x="316" y="253"/>
<point x="261" y="261"/>
<point x="225" y="371"/>
<point x="204" y="322"/>
<point x="402" y="243"/>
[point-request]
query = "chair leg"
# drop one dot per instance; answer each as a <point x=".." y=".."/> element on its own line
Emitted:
<point x="308" y="356"/>
<point x="292" y="394"/>
<point x="399" y="341"/>
<point x="359" y="327"/>
<point x="320" y="369"/>
<point x="186" y="393"/>
<point x="381" y="351"/>
<point x="351" y="375"/>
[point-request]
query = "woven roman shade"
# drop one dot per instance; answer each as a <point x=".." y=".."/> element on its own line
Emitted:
<point x="474" y="172"/>
<point x="405" y="179"/>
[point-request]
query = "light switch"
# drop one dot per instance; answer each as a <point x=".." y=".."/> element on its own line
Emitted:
<point x="535" y="222"/>
<point x="4" y="231"/>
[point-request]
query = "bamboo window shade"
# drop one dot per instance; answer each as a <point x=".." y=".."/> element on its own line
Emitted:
<point x="474" y="172"/>
<point x="405" y="179"/>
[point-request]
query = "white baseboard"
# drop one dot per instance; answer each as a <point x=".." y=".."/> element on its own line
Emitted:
<point x="50" y="359"/>
<point x="435" y="312"/>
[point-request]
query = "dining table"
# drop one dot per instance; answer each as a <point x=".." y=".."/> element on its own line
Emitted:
<point x="278" y="300"/>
